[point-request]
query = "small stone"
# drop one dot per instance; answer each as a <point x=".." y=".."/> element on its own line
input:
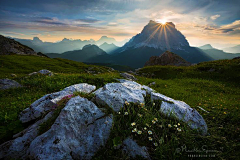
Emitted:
<point x="8" y="83"/>
<point x="33" y="73"/>
<point x="13" y="75"/>
<point x="128" y="76"/>
<point x="133" y="149"/>
<point x="45" y="72"/>
<point x="152" y="84"/>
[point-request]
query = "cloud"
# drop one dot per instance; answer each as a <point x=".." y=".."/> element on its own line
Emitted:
<point x="87" y="20"/>
<point x="46" y="20"/>
<point x="214" y="17"/>
<point x="43" y="18"/>
<point x="112" y="24"/>
<point x="229" y="29"/>
<point x="49" y="22"/>
<point x="232" y="27"/>
<point x="14" y="33"/>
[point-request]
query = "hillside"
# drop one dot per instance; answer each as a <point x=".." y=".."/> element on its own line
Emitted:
<point x="214" y="86"/>
<point x="22" y="65"/>
<point x="9" y="46"/>
<point x="220" y="70"/>
<point x="109" y="48"/>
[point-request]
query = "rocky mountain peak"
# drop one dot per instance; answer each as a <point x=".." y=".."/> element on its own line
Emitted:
<point x="159" y="36"/>
<point x="206" y="46"/>
<point x="65" y="40"/>
<point x="36" y="39"/>
<point x="107" y="39"/>
<point x="170" y="24"/>
<point x="167" y="58"/>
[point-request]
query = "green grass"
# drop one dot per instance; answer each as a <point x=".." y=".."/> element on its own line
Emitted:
<point x="13" y="101"/>
<point x="217" y="92"/>
<point x="23" y="64"/>
<point x="220" y="70"/>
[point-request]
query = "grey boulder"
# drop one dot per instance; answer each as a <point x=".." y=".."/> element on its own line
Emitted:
<point x="43" y="72"/>
<point x="115" y="95"/>
<point x="49" y="101"/>
<point x="133" y="149"/>
<point x="181" y="111"/>
<point x="8" y="83"/>
<point x="78" y="132"/>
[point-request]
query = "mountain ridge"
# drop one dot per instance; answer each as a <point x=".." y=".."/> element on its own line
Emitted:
<point x="206" y="46"/>
<point x="65" y="44"/>
<point x="83" y="55"/>
<point x="234" y="49"/>
<point x="109" y="48"/>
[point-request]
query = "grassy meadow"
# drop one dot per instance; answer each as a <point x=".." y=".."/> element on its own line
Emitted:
<point x="214" y="86"/>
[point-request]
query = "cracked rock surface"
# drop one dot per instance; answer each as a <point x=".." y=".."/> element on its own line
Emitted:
<point x="78" y="132"/>
<point x="181" y="111"/>
<point x="133" y="149"/>
<point x="47" y="102"/>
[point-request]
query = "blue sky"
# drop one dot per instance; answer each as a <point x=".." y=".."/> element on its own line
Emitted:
<point x="202" y="21"/>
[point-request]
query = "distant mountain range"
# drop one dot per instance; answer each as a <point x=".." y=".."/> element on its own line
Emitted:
<point x="84" y="55"/>
<point x="66" y="44"/>
<point x="235" y="49"/>
<point x="216" y="53"/>
<point x="154" y="39"/>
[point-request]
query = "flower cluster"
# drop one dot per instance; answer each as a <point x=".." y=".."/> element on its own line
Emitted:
<point x="148" y="130"/>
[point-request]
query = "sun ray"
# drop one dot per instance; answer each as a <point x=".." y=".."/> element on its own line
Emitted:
<point x="152" y="35"/>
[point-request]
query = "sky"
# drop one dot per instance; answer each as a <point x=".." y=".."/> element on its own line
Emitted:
<point x="215" y="22"/>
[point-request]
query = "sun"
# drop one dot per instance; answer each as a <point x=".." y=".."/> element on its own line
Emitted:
<point x="163" y="21"/>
